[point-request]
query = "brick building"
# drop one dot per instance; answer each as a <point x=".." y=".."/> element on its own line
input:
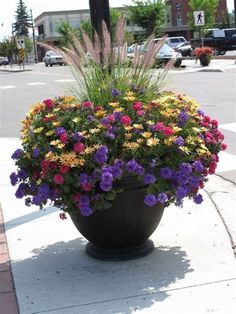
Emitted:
<point x="177" y="17"/>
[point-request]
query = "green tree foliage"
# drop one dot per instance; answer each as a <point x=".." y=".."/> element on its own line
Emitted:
<point x="23" y="20"/>
<point x="150" y="15"/>
<point x="8" y="48"/>
<point x="208" y="6"/>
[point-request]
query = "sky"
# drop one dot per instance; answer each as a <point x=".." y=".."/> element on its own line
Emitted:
<point x="7" y="13"/>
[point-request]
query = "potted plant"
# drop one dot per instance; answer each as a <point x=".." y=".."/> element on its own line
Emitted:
<point x="118" y="152"/>
<point x="204" y="54"/>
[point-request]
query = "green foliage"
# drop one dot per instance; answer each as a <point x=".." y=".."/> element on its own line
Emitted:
<point x="28" y="44"/>
<point x="208" y="6"/>
<point x="8" y="48"/>
<point x="23" y="20"/>
<point x="150" y="15"/>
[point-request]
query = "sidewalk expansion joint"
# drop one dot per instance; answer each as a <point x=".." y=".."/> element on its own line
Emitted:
<point x="135" y="296"/>
<point x="210" y="194"/>
<point x="225" y="179"/>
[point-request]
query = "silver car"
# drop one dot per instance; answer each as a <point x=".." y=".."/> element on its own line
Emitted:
<point x="51" y="58"/>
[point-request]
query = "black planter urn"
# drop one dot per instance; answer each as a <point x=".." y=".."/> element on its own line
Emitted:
<point x="122" y="231"/>
<point x="205" y="60"/>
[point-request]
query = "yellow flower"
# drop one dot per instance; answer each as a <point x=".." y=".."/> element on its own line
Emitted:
<point x="119" y="109"/>
<point x="100" y="113"/>
<point x="176" y="129"/>
<point x="114" y="104"/>
<point x="150" y="122"/>
<point x="130" y="98"/>
<point x="146" y="134"/>
<point x="92" y="131"/>
<point x="57" y="143"/>
<point x="191" y="140"/>
<point x="51" y="156"/>
<point x="170" y="140"/>
<point x="152" y="141"/>
<point x="138" y="126"/>
<point x="69" y="159"/>
<point x="57" y="109"/>
<point x="56" y="123"/>
<point x="76" y="120"/>
<point x="140" y="140"/>
<point x="38" y="130"/>
<point x="49" y="133"/>
<point x="184" y="149"/>
<point x="50" y="115"/>
<point x="169" y="113"/>
<point x="128" y="128"/>
<point x="128" y="136"/>
<point x="130" y="93"/>
<point x="131" y="146"/>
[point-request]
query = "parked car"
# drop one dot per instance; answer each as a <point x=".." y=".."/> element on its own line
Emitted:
<point x="185" y="49"/>
<point x="172" y="41"/>
<point x="51" y="58"/>
<point x="4" y="61"/>
<point x="131" y="49"/>
<point x="165" y="54"/>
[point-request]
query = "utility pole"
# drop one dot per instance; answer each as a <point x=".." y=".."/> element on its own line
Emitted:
<point x="34" y="41"/>
<point x="99" y="11"/>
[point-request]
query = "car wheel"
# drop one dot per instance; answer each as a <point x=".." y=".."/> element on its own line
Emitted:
<point x="46" y="65"/>
<point x="178" y="63"/>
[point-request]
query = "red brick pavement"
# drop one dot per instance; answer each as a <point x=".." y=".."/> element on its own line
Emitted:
<point x="8" y="302"/>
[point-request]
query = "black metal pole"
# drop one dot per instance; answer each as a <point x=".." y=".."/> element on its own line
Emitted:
<point x="34" y="41"/>
<point x="99" y="11"/>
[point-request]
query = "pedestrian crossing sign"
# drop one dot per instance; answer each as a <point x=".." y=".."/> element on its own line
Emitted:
<point x="199" y="18"/>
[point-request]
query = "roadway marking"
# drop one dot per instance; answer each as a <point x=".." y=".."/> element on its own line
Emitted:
<point x="228" y="126"/>
<point x="7" y="87"/>
<point x="36" y="83"/>
<point x="65" y="80"/>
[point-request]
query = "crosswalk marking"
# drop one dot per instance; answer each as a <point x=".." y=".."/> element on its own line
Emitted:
<point x="7" y="87"/>
<point x="228" y="126"/>
<point x="36" y="83"/>
<point x="64" y="80"/>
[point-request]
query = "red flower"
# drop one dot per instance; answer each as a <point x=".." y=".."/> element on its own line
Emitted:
<point x="140" y="112"/>
<point x="58" y="178"/>
<point x="214" y="123"/>
<point x="45" y="164"/>
<point x="125" y="120"/>
<point x="64" y="169"/>
<point x="78" y="147"/>
<point x="137" y="105"/>
<point x="62" y="216"/>
<point x="49" y="103"/>
<point x="212" y="167"/>
<point x="223" y="146"/>
<point x="111" y="118"/>
<point x="168" y="131"/>
<point x="77" y="197"/>
<point x="159" y="126"/>
<point x="63" y="138"/>
<point x="87" y="104"/>
<point x="98" y="108"/>
<point x="87" y="187"/>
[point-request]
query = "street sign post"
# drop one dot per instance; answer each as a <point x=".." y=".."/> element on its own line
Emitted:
<point x="20" y="42"/>
<point x="199" y="18"/>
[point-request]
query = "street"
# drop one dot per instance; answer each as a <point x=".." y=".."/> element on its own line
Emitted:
<point x="214" y="91"/>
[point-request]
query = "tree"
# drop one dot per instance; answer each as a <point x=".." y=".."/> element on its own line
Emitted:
<point x="23" y="20"/>
<point x="150" y="15"/>
<point x="208" y="6"/>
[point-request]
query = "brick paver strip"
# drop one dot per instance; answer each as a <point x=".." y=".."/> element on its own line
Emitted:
<point x="8" y="302"/>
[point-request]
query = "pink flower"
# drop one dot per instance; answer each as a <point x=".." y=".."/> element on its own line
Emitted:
<point x="87" y="104"/>
<point x="212" y="167"/>
<point x="159" y="126"/>
<point x="223" y="146"/>
<point x="214" y="123"/>
<point x="45" y="164"/>
<point x="62" y="216"/>
<point x="63" y="138"/>
<point x="111" y="118"/>
<point x="87" y="187"/>
<point x="58" y="178"/>
<point x="49" y="103"/>
<point x="77" y="197"/>
<point x="64" y="169"/>
<point x="140" y="112"/>
<point x="78" y="147"/>
<point x="137" y="105"/>
<point x="52" y="165"/>
<point x="98" y="108"/>
<point x="125" y="120"/>
<point x="168" y="131"/>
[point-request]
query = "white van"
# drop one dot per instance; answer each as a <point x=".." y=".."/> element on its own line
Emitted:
<point x="173" y="41"/>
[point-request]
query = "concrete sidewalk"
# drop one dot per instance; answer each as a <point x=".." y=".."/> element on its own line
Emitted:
<point x="192" y="269"/>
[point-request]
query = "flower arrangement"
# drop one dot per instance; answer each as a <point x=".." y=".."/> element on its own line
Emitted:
<point x="203" y="51"/>
<point x="74" y="153"/>
<point x="75" y="149"/>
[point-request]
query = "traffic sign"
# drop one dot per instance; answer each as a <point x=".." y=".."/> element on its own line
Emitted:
<point x="21" y="55"/>
<point x="199" y="18"/>
<point x="20" y="42"/>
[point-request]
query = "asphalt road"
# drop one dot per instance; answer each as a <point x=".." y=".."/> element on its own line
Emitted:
<point x="215" y="92"/>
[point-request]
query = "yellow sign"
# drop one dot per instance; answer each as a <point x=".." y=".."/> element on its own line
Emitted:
<point x="21" y="54"/>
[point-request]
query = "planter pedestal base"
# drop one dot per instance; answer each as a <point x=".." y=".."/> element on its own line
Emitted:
<point x="120" y="254"/>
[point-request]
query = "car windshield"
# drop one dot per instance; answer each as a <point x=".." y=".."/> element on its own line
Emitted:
<point x="165" y="49"/>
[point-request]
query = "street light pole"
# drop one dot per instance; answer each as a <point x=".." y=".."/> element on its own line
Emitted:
<point x="34" y="41"/>
<point x="99" y="11"/>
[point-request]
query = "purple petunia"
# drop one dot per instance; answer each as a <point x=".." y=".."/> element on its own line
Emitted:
<point x="101" y="154"/>
<point x="17" y="154"/>
<point x="83" y="178"/>
<point x="182" y="118"/>
<point x="115" y="92"/>
<point x="60" y="130"/>
<point x="132" y="166"/>
<point x="36" y="152"/>
<point x="198" y="167"/>
<point x="162" y="197"/>
<point x="198" y="199"/>
<point x="20" y="192"/>
<point x="150" y="200"/>
<point x="117" y="115"/>
<point x="180" y="192"/>
<point x="185" y="168"/>
<point x="77" y="136"/>
<point x="149" y="178"/>
<point x="179" y="141"/>
<point x="166" y="173"/>
<point x="22" y="174"/>
<point x="13" y="178"/>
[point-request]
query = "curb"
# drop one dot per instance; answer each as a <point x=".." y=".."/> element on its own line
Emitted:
<point x="8" y="301"/>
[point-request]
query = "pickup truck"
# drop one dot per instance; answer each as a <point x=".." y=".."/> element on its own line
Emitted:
<point x="221" y="40"/>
